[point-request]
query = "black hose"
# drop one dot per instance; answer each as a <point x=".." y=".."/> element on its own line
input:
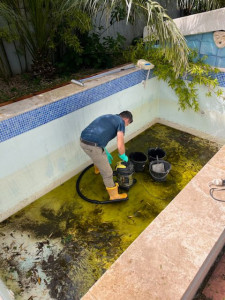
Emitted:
<point x="216" y="189"/>
<point x="91" y="200"/>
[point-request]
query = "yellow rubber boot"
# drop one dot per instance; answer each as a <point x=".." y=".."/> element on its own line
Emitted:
<point x="96" y="169"/>
<point x="114" y="195"/>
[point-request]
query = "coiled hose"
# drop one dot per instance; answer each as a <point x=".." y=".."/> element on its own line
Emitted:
<point x="86" y="198"/>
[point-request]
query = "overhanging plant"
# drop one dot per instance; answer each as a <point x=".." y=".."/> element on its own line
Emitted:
<point x="186" y="85"/>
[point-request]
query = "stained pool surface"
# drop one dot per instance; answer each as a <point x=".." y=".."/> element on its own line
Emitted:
<point x="57" y="247"/>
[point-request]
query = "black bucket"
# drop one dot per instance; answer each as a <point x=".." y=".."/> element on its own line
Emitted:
<point x="139" y="160"/>
<point x="155" y="154"/>
<point x="159" y="169"/>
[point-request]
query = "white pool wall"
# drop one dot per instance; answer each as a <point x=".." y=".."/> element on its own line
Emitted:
<point x="209" y="120"/>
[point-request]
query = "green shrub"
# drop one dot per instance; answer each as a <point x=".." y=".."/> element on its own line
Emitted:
<point x="96" y="53"/>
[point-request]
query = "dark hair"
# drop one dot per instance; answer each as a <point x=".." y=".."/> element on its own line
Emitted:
<point x="127" y="114"/>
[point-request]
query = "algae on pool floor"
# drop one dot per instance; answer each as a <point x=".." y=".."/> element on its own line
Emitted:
<point x="57" y="247"/>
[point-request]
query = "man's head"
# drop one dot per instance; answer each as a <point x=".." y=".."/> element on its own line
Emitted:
<point x="127" y="117"/>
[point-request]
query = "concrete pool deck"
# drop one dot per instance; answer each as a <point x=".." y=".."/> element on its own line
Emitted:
<point x="171" y="257"/>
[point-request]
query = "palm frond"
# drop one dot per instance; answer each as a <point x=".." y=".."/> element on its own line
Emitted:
<point x="168" y="35"/>
<point x="164" y="29"/>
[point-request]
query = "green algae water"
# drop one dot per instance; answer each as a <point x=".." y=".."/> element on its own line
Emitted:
<point x="57" y="247"/>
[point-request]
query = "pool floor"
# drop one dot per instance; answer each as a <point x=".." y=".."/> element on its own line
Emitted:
<point x="58" y="246"/>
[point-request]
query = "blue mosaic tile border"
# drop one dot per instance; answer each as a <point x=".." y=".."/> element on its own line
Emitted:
<point x="221" y="78"/>
<point x="29" y="120"/>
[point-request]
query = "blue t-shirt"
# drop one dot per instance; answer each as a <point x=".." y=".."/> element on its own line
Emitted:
<point x="103" y="129"/>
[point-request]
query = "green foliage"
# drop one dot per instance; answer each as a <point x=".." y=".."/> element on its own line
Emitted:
<point x="102" y="53"/>
<point x="97" y="52"/>
<point x="37" y="22"/>
<point x="75" y="23"/>
<point x="118" y="13"/>
<point x="185" y="86"/>
<point x="7" y="35"/>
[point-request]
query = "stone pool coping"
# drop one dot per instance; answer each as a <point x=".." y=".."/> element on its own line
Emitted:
<point x="202" y="22"/>
<point x="11" y="110"/>
<point x="171" y="257"/>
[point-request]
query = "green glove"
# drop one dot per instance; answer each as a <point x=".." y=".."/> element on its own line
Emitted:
<point x="123" y="157"/>
<point x="109" y="156"/>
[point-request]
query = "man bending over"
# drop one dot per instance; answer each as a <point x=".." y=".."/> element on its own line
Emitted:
<point x="93" y="141"/>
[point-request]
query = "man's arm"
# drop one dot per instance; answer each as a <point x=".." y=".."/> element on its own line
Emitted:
<point x="120" y="142"/>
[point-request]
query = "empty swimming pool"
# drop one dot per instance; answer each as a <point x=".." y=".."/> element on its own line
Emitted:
<point x="60" y="245"/>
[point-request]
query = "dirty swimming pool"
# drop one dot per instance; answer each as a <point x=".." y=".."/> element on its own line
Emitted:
<point x="60" y="245"/>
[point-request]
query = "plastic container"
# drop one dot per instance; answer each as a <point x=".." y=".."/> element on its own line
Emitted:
<point x="124" y="172"/>
<point x="155" y="154"/>
<point x="159" y="169"/>
<point x="139" y="160"/>
<point x="125" y="168"/>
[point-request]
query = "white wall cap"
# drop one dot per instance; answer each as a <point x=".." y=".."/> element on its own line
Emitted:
<point x="201" y="23"/>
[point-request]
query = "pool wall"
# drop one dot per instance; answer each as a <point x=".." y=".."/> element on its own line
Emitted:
<point x="209" y="120"/>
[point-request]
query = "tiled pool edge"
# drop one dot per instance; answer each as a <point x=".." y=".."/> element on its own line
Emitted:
<point x="38" y="116"/>
<point x="171" y="257"/>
